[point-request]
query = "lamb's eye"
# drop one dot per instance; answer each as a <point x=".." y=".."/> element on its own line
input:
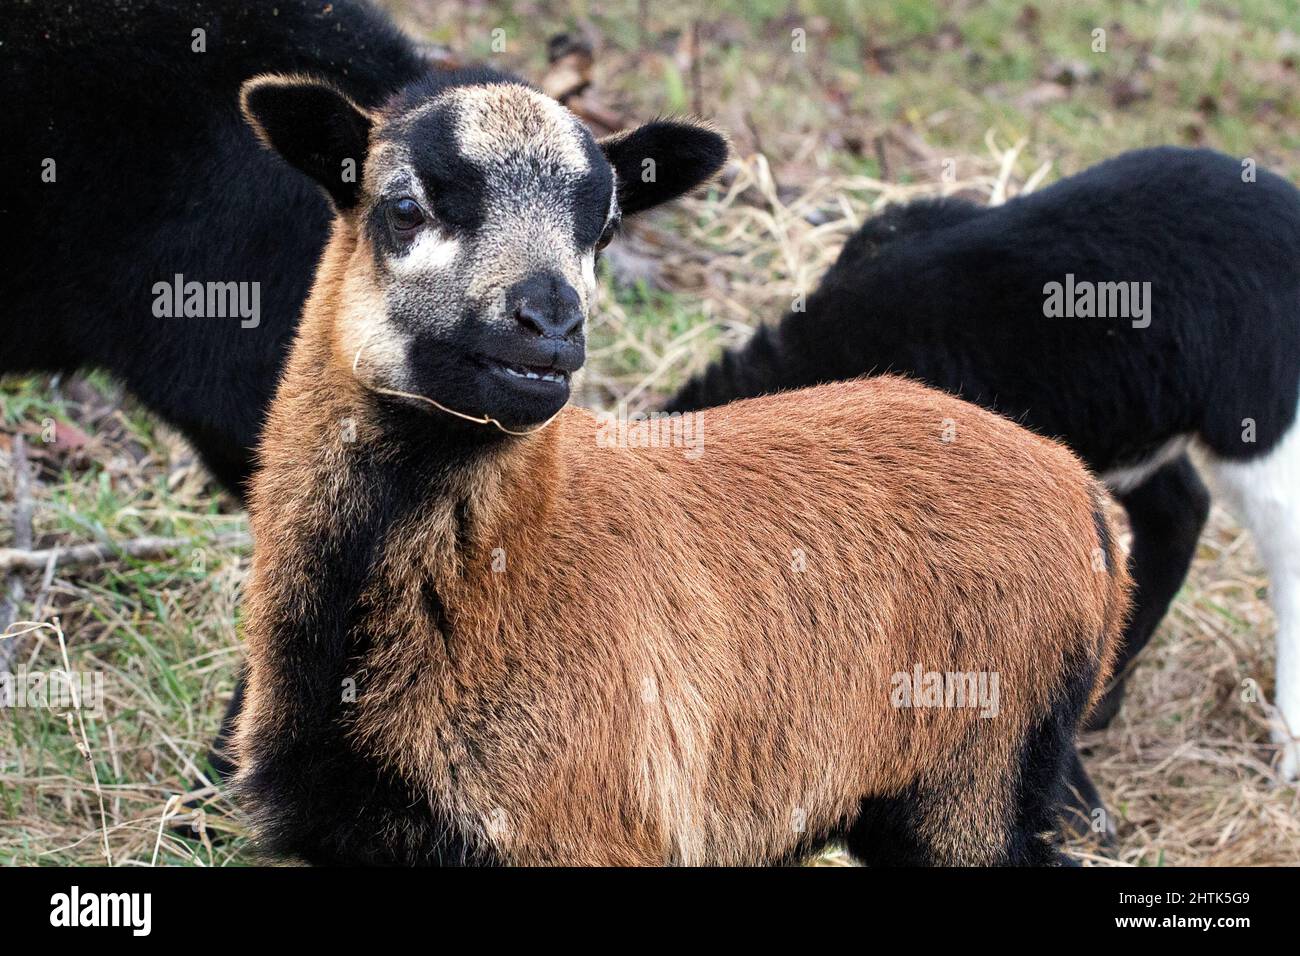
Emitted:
<point x="405" y="215"/>
<point x="607" y="236"/>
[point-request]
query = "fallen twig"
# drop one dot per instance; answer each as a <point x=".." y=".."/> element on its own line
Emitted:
<point x="17" y="559"/>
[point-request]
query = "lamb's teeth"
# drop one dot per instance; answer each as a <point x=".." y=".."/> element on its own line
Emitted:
<point x="558" y="377"/>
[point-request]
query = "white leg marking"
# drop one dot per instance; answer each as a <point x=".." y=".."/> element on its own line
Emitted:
<point x="1266" y="492"/>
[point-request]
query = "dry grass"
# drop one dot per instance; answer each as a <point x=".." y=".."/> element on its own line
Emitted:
<point x="1186" y="766"/>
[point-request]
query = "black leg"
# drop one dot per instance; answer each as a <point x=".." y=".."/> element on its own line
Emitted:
<point x="1080" y="806"/>
<point x="944" y="820"/>
<point x="887" y="832"/>
<point x="1167" y="513"/>
<point x="218" y="759"/>
<point x="218" y="756"/>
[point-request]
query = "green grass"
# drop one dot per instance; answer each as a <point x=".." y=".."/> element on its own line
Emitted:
<point x="161" y="631"/>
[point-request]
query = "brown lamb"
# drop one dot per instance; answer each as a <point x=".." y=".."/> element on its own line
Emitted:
<point x="469" y="646"/>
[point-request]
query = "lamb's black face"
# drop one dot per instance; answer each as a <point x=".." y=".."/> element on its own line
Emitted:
<point x="477" y="221"/>
<point x="483" y="212"/>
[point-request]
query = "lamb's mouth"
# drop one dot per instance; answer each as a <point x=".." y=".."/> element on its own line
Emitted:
<point x="540" y="368"/>
<point x="542" y="373"/>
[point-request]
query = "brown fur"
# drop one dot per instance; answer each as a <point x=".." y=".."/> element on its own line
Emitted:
<point x="651" y="679"/>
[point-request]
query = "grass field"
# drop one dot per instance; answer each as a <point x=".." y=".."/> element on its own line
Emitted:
<point x="879" y="101"/>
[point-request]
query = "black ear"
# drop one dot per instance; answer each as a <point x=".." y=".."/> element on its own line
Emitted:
<point x="662" y="160"/>
<point x="314" y="127"/>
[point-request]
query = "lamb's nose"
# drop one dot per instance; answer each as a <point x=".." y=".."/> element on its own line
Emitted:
<point x="548" y="306"/>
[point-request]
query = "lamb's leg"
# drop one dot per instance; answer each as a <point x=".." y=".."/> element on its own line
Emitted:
<point x="953" y="819"/>
<point x="219" y="756"/>
<point x="1167" y="513"/>
<point x="990" y="804"/>
<point x="1266" y="493"/>
<point x="1048" y="773"/>
<point x="994" y="800"/>
<point x="1082" y="811"/>
<point x="889" y="831"/>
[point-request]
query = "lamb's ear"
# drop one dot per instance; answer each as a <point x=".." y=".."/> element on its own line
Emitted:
<point x="662" y="160"/>
<point x="314" y="127"/>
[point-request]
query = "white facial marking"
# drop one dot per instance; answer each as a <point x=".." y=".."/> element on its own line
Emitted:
<point x="531" y="152"/>
<point x="370" y="343"/>
<point x="495" y="120"/>
<point x="430" y="252"/>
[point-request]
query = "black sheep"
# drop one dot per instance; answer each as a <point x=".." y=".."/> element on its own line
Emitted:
<point x="127" y="163"/>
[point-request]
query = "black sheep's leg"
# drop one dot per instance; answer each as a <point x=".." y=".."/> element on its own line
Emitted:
<point x="1167" y="513"/>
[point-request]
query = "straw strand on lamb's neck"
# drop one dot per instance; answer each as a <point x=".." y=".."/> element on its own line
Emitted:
<point x="361" y="494"/>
